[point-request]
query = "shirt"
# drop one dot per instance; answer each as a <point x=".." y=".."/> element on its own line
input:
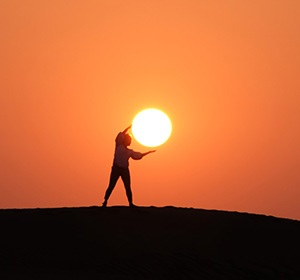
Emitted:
<point x="122" y="153"/>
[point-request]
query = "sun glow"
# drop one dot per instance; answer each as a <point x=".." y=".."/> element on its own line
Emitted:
<point x="151" y="127"/>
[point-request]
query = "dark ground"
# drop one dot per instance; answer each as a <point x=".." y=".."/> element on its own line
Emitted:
<point x="146" y="243"/>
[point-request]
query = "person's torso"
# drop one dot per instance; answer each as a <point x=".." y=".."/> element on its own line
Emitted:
<point x="122" y="155"/>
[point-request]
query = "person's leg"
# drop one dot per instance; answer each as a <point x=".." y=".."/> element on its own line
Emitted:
<point x="125" y="175"/>
<point x="114" y="176"/>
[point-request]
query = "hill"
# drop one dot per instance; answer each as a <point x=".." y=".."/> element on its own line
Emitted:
<point x="146" y="243"/>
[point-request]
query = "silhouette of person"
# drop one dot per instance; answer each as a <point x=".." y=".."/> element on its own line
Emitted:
<point x="121" y="163"/>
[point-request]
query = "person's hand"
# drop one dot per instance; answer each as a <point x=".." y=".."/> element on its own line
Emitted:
<point x="127" y="128"/>
<point x="147" y="153"/>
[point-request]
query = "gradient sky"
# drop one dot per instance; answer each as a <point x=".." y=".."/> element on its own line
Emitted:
<point x="75" y="73"/>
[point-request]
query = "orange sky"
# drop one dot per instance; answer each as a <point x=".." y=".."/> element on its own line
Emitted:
<point x="75" y="73"/>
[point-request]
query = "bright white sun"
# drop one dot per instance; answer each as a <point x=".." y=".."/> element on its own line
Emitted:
<point x="151" y="127"/>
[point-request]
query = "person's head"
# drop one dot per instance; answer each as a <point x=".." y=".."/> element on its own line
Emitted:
<point x="127" y="139"/>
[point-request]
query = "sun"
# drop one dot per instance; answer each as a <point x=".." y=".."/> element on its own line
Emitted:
<point x="151" y="127"/>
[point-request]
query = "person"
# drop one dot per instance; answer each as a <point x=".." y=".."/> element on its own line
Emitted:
<point x="120" y="167"/>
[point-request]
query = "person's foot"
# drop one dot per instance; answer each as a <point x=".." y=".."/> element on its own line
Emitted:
<point x="132" y="205"/>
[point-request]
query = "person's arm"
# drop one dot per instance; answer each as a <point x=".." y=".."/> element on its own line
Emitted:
<point x="138" y="155"/>
<point x="126" y="129"/>
<point x="120" y="137"/>
<point x="147" y="153"/>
